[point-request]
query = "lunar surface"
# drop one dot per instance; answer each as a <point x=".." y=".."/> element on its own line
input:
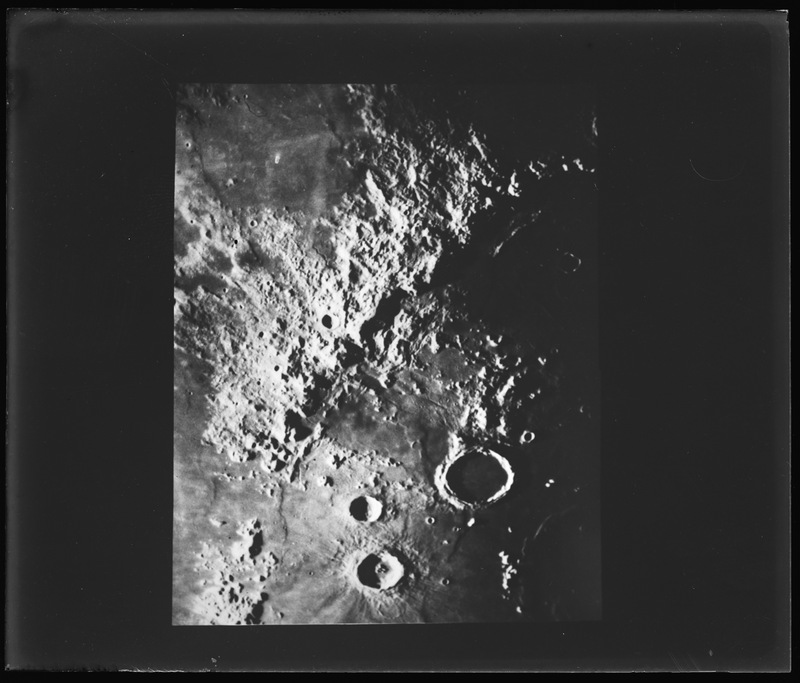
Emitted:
<point x="386" y="383"/>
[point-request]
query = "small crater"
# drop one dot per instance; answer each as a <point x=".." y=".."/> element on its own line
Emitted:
<point x="366" y="509"/>
<point x="568" y="262"/>
<point x="380" y="571"/>
<point x="526" y="437"/>
<point x="474" y="479"/>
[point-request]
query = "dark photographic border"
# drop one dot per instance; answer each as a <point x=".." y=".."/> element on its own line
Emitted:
<point x="693" y="312"/>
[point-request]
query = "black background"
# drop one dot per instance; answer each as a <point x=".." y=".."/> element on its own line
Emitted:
<point x="693" y="128"/>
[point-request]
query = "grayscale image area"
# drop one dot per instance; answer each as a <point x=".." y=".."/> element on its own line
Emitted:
<point x="386" y="379"/>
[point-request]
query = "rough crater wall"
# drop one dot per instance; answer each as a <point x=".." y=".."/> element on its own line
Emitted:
<point x="339" y="254"/>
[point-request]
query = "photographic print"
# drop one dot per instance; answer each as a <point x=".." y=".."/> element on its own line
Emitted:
<point x="386" y="377"/>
